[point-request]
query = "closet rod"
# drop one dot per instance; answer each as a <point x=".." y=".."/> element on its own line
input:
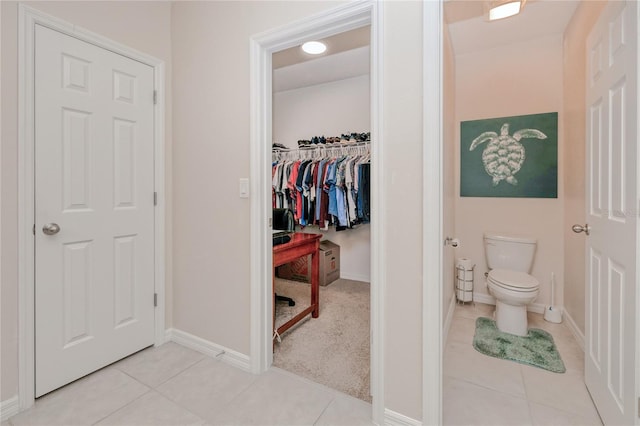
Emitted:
<point x="321" y="150"/>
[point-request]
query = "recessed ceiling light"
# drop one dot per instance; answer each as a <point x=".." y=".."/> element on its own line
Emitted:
<point x="314" y="47"/>
<point x="500" y="9"/>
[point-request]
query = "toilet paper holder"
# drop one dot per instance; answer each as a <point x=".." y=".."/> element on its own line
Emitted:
<point x="463" y="280"/>
<point x="453" y="242"/>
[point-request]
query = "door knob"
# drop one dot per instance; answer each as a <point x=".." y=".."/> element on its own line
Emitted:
<point x="579" y="228"/>
<point x="51" y="228"/>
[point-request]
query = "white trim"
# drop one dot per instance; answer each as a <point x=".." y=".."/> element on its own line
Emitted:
<point x="448" y="320"/>
<point x="485" y="298"/>
<point x="378" y="197"/>
<point x="9" y="408"/>
<point x="161" y="206"/>
<point x="333" y="21"/>
<point x="432" y="202"/>
<point x="210" y="349"/>
<point x="355" y="277"/>
<point x="391" y="418"/>
<point x="637" y="272"/>
<point x="1" y="166"/>
<point x="575" y="330"/>
<point x="28" y="19"/>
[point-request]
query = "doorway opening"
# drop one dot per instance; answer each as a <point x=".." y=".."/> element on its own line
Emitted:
<point x="321" y="173"/>
<point x="521" y="73"/>
<point x="335" y="21"/>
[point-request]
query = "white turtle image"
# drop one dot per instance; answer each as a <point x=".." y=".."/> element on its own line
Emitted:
<point x="504" y="155"/>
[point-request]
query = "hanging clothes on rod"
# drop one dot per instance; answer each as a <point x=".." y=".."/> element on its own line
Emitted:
<point x="324" y="185"/>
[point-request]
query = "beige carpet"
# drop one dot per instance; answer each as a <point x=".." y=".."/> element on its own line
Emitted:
<point x="334" y="348"/>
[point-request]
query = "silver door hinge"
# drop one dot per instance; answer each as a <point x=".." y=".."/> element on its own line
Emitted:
<point x="155" y="198"/>
<point x="270" y="222"/>
<point x="155" y="299"/>
<point x="34" y="229"/>
<point x="155" y="97"/>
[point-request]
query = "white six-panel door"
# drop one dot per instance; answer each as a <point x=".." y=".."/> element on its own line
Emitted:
<point x="94" y="180"/>
<point x="612" y="197"/>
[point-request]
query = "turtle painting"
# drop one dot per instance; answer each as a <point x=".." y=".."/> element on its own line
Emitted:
<point x="504" y="155"/>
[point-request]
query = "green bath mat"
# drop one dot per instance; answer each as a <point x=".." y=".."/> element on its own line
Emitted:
<point x="536" y="348"/>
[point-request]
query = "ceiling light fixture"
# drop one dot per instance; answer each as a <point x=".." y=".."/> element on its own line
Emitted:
<point x="314" y="47"/>
<point x="500" y="9"/>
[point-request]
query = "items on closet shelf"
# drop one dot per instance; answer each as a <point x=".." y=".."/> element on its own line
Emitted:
<point x="324" y="185"/>
<point x="344" y="138"/>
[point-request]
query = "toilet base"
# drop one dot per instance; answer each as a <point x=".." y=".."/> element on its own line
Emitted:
<point x="511" y="319"/>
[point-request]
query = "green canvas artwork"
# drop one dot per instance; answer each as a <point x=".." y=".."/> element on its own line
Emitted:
<point x="510" y="157"/>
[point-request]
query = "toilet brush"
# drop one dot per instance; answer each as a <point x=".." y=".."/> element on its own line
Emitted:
<point x="552" y="313"/>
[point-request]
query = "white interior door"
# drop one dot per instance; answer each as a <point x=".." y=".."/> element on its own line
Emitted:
<point x="94" y="157"/>
<point x="612" y="197"/>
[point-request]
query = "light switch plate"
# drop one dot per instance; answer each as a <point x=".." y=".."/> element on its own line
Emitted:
<point x="244" y="187"/>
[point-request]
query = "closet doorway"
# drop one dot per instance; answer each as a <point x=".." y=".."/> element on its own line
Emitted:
<point x="337" y="20"/>
<point x="321" y="122"/>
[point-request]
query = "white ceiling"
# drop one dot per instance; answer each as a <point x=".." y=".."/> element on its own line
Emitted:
<point x="347" y="56"/>
<point x="337" y="43"/>
<point x="347" y="64"/>
<point x="471" y="33"/>
<point x="468" y="29"/>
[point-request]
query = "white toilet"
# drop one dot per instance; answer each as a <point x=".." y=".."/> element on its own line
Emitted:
<point x="509" y="259"/>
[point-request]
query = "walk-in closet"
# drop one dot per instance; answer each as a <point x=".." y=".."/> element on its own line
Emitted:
<point x="321" y="178"/>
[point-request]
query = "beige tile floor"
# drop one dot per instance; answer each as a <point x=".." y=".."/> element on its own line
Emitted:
<point x="173" y="385"/>
<point x="481" y="390"/>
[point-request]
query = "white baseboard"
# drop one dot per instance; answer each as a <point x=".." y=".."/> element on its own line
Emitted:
<point x="9" y="408"/>
<point x="447" y="321"/>
<point x="579" y="335"/>
<point x="208" y="348"/>
<point x="484" y="298"/>
<point x="538" y="308"/>
<point x="355" y="277"/>
<point x="391" y="418"/>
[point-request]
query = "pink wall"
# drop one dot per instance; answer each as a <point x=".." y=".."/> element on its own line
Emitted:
<point x="515" y="79"/>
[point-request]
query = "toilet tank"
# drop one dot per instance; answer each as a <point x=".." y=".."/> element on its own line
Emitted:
<point x="509" y="252"/>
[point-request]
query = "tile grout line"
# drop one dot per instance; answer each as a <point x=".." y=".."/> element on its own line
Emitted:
<point x="488" y="388"/>
<point x="526" y="394"/>
<point x="324" y="410"/>
<point x="125" y="405"/>
<point x="155" y="388"/>
<point x="245" y="389"/>
<point x="203" y="357"/>
<point x="181" y="371"/>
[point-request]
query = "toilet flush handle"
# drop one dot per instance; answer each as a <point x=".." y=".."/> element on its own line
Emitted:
<point x="579" y="228"/>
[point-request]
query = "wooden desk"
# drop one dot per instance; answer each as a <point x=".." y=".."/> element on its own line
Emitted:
<point x="301" y="245"/>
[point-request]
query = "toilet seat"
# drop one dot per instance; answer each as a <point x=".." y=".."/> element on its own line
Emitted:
<point x="513" y="280"/>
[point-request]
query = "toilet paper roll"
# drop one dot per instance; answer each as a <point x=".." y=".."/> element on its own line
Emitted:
<point x="464" y="263"/>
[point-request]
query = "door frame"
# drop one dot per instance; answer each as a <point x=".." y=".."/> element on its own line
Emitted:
<point x="332" y="21"/>
<point x="28" y="18"/>
<point x="432" y="212"/>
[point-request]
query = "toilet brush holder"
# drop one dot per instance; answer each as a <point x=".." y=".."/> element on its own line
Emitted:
<point x="553" y="313"/>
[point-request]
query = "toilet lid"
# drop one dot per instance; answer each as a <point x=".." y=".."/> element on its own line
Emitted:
<point x="513" y="279"/>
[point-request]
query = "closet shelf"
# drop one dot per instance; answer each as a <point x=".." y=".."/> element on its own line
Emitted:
<point x="321" y="150"/>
